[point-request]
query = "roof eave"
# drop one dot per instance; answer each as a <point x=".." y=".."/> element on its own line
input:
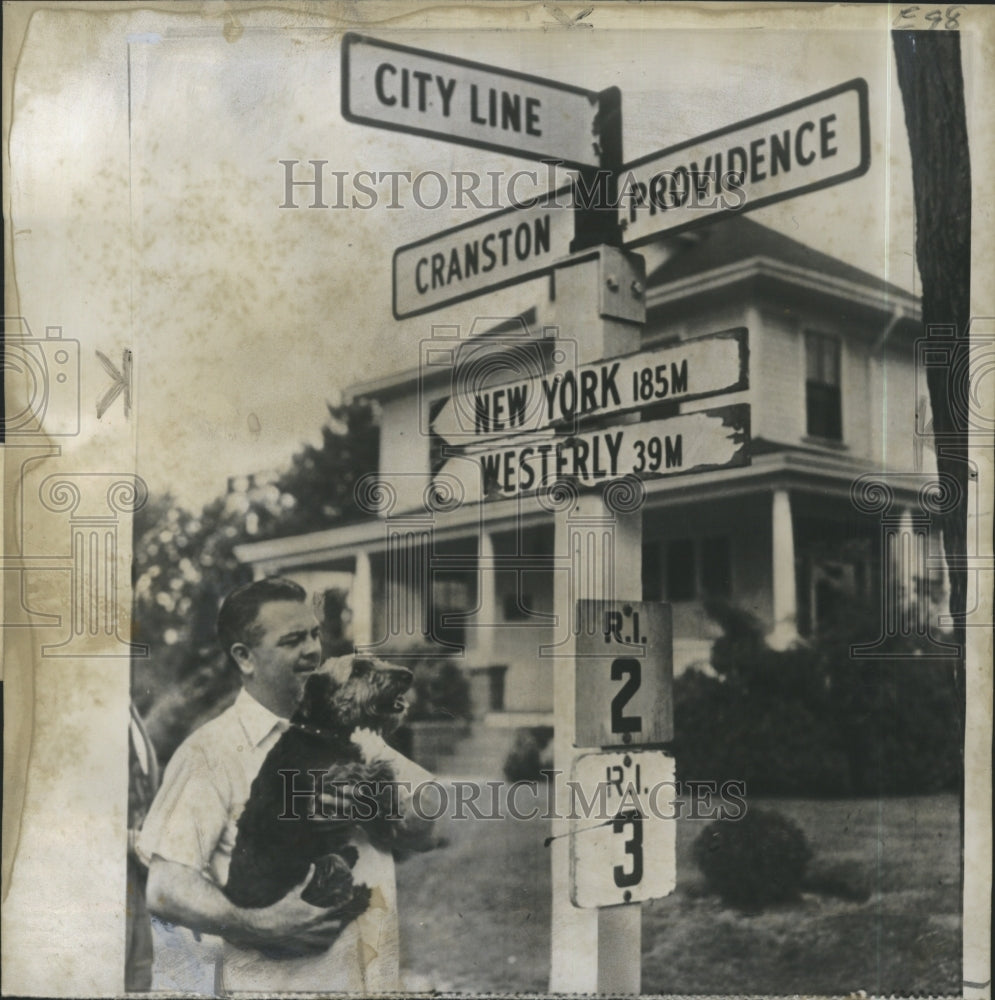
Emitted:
<point x="888" y="301"/>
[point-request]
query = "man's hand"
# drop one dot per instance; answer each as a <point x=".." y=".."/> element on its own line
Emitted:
<point x="182" y="895"/>
<point x="338" y="802"/>
<point x="292" y="924"/>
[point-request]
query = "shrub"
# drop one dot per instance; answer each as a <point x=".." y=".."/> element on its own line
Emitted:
<point x="529" y="755"/>
<point x="756" y="861"/>
<point x="775" y="743"/>
<point x="441" y="692"/>
<point x="813" y="721"/>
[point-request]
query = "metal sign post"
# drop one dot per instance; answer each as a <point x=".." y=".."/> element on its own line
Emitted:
<point x="598" y="302"/>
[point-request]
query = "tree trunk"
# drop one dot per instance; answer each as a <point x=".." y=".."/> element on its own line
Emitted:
<point x="929" y="74"/>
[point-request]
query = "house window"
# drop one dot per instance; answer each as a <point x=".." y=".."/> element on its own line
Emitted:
<point x="697" y="569"/>
<point x="453" y="595"/>
<point x="527" y="594"/>
<point x="823" y="400"/>
<point x="681" y="570"/>
<point x="652" y="572"/>
<point x="716" y="568"/>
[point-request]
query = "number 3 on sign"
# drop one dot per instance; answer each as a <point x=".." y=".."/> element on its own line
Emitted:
<point x="634" y="846"/>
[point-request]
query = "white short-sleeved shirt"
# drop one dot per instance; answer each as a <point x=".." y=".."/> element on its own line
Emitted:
<point x="193" y="821"/>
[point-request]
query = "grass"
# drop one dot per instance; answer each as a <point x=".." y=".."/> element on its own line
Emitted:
<point x="475" y="917"/>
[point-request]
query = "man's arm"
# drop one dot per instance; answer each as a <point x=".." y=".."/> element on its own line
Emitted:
<point x="183" y="896"/>
<point x="412" y="831"/>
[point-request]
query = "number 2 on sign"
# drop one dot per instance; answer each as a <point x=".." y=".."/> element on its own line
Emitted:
<point x="626" y="667"/>
<point x="633" y="847"/>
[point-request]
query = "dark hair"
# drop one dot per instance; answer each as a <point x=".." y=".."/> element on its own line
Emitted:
<point x="239" y="610"/>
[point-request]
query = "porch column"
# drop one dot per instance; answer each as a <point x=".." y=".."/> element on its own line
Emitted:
<point x="361" y="600"/>
<point x="785" y="629"/>
<point x="409" y="545"/>
<point x="487" y="609"/>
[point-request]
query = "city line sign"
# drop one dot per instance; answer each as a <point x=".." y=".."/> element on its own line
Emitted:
<point x="424" y="93"/>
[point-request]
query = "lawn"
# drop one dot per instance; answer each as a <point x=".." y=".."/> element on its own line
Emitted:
<point x="475" y="916"/>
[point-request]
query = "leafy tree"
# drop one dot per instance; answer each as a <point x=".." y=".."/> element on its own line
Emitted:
<point x="321" y="480"/>
<point x="184" y="564"/>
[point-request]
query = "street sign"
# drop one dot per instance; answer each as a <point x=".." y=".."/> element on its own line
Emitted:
<point x="625" y="674"/>
<point x="692" y="442"/>
<point x="705" y="366"/>
<point x="424" y="93"/>
<point x="623" y="835"/>
<point x="491" y="252"/>
<point x="810" y="144"/>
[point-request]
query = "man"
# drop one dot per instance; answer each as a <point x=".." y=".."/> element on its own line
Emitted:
<point x="271" y="635"/>
<point x="143" y="781"/>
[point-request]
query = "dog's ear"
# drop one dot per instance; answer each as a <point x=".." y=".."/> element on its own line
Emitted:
<point x="316" y="703"/>
<point x="361" y="666"/>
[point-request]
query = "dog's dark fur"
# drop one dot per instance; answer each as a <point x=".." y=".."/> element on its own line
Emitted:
<point x="272" y="855"/>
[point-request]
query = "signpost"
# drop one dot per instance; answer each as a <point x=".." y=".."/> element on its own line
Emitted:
<point x="613" y="682"/>
<point x="593" y="950"/>
<point x="805" y="146"/>
<point x="707" y="366"/>
<point x="410" y="90"/>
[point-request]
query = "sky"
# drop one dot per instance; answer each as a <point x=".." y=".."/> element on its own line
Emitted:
<point x="146" y="206"/>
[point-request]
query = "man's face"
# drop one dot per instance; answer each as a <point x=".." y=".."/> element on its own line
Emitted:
<point x="275" y="666"/>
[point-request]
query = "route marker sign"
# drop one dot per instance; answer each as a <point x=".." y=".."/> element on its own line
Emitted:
<point x="625" y="674"/>
<point x="804" y="146"/>
<point x="424" y="93"/>
<point x="631" y="857"/>
<point x="706" y="366"/>
<point x="491" y="252"/>
<point x="691" y="442"/>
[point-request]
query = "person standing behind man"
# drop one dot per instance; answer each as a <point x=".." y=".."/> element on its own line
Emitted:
<point x="271" y="635"/>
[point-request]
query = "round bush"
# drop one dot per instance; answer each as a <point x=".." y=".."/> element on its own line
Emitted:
<point x="529" y="755"/>
<point x="755" y="861"/>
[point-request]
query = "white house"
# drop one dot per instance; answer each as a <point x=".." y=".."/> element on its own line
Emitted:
<point x="834" y="396"/>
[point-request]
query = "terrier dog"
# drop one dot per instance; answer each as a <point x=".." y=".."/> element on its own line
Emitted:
<point x="278" y="838"/>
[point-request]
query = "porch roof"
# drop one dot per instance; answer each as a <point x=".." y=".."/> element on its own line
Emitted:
<point x="796" y="470"/>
